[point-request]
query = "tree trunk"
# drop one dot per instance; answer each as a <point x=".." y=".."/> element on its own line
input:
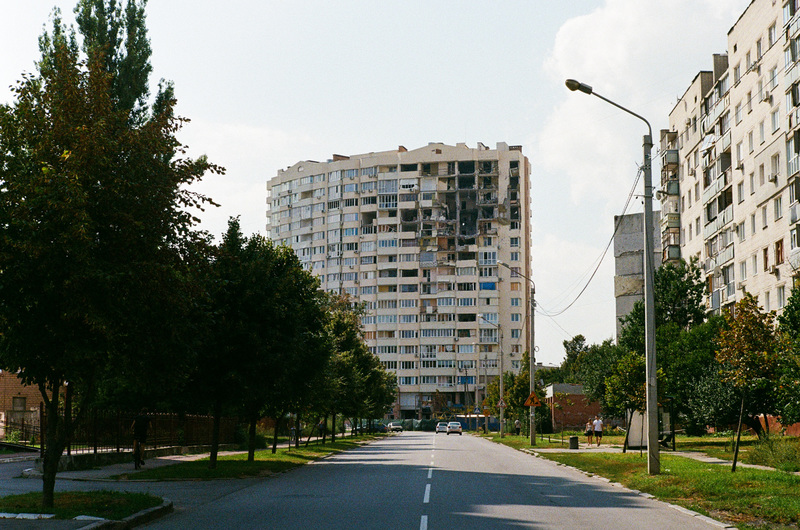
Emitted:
<point x="297" y="431"/>
<point x="212" y="462"/>
<point x="628" y="418"/>
<point x="53" y="448"/>
<point x="738" y="437"/>
<point x="333" y="429"/>
<point x="275" y="435"/>
<point x="251" y="439"/>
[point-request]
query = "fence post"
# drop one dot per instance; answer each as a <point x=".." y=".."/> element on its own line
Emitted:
<point x="68" y="418"/>
<point x="116" y="434"/>
<point x="94" y="428"/>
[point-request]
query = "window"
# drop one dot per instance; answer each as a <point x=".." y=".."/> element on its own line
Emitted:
<point x="775" y="120"/>
<point x="775" y="165"/>
<point x="781" y="296"/>
<point x="772" y="35"/>
<point x="754" y="266"/>
<point x="762" y="137"/>
<point x="766" y="302"/>
<point x="778" y="204"/>
<point x="515" y="333"/>
<point x="514" y="241"/>
<point x="764" y="217"/>
<point x="752" y="183"/>
<point x="765" y="258"/>
<point x="761" y="175"/>
<point x="751" y="146"/>
<point x="740" y="191"/>
<point x="753" y="223"/>
<point x="514" y="256"/>
<point x="743" y="270"/>
<point x="515" y="302"/>
<point x="779" y="252"/>
<point x="516" y="317"/>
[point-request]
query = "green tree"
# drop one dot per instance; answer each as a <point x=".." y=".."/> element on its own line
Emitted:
<point x="595" y="365"/>
<point x="95" y="229"/>
<point x="678" y="290"/>
<point x="789" y="364"/>
<point x="748" y="354"/>
<point x="267" y="339"/>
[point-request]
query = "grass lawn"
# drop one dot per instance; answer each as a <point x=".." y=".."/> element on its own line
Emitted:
<point x="746" y="498"/>
<point x="237" y="466"/>
<point x="106" y="504"/>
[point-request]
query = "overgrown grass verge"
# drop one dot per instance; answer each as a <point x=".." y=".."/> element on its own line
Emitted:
<point x="112" y="505"/>
<point x="747" y="497"/>
<point x="778" y="452"/>
<point x="237" y="466"/>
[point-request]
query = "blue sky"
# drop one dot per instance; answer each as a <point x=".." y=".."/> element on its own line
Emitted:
<point x="269" y="83"/>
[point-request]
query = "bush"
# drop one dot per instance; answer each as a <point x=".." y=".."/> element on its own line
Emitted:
<point x="778" y="452"/>
<point x="13" y="436"/>
<point x="426" y="425"/>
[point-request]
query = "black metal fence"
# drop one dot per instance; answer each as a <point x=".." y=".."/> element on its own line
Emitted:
<point x="110" y="431"/>
<point x="21" y="428"/>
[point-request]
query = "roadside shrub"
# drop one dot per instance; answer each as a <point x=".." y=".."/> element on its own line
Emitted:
<point x="426" y="425"/>
<point x="778" y="452"/>
<point x="13" y="436"/>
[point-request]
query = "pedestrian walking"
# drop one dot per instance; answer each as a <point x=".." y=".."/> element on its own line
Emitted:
<point x="597" y="427"/>
<point x="589" y="430"/>
<point x="139" y="428"/>
<point x="517" y="426"/>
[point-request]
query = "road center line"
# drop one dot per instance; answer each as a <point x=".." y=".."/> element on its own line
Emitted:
<point x="427" y="494"/>
<point x="430" y="472"/>
<point x="423" y="523"/>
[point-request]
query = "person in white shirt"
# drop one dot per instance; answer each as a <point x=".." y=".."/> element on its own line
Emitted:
<point x="597" y="424"/>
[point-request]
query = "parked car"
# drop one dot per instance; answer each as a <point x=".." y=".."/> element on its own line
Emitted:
<point x="379" y="427"/>
<point x="396" y="426"/>
<point x="441" y="427"/>
<point x="454" y="426"/>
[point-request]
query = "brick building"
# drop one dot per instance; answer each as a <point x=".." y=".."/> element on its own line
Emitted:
<point x="569" y="407"/>
<point x="17" y="401"/>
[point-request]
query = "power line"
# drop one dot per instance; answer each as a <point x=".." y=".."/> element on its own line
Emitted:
<point x="605" y="251"/>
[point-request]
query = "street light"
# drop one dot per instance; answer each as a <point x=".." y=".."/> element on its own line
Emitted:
<point x="501" y="405"/>
<point x="653" y="463"/>
<point x="532" y="356"/>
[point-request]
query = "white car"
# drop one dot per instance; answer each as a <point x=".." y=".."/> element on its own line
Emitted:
<point x="395" y="426"/>
<point x="441" y="427"/>
<point x="454" y="426"/>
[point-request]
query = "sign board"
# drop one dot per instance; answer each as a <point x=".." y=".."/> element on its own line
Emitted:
<point x="501" y="404"/>
<point x="533" y="401"/>
<point x="477" y="410"/>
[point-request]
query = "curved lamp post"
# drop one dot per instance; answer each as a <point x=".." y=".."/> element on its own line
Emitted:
<point x="532" y="354"/>
<point x="653" y="462"/>
<point x="502" y="386"/>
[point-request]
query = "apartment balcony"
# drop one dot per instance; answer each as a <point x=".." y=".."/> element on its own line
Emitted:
<point x="724" y="217"/>
<point x="793" y="166"/>
<point x="794" y="212"/>
<point x="671" y="252"/>
<point x="669" y="160"/>
<point x="671" y="220"/>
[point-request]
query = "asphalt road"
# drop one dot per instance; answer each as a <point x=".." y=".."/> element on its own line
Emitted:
<point x="426" y="481"/>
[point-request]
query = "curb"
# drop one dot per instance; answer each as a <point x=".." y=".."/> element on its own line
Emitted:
<point x="145" y="516"/>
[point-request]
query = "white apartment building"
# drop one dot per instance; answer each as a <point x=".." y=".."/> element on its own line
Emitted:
<point x="730" y="162"/>
<point x="435" y="243"/>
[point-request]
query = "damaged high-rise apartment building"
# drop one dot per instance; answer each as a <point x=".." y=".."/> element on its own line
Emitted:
<point x="431" y="241"/>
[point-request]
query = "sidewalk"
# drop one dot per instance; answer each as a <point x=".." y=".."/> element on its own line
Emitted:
<point x="700" y="457"/>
